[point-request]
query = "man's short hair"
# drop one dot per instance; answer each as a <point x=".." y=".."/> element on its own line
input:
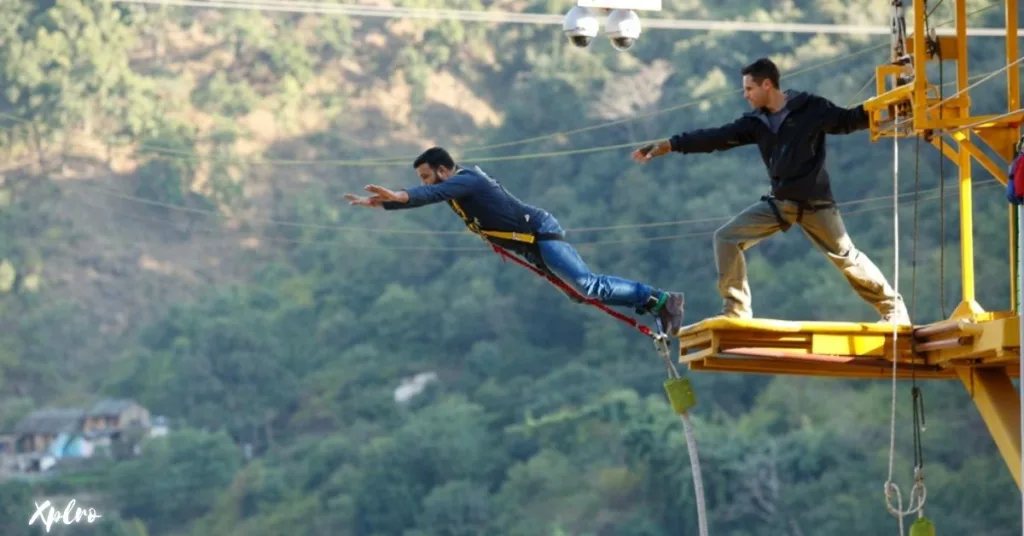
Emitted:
<point x="761" y="69"/>
<point x="434" y="157"/>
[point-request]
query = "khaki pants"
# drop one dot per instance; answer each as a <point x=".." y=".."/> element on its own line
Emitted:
<point x="825" y="229"/>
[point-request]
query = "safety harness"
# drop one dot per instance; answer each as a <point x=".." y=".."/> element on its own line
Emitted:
<point x="802" y="206"/>
<point x="511" y="238"/>
<point x="525" y="243"/>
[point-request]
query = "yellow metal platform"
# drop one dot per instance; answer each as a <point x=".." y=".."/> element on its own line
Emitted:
<point x="981" y="350"/>
<point x="849" y="349"/>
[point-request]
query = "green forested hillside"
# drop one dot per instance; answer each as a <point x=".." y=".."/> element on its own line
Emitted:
<point x="173" y="217"/>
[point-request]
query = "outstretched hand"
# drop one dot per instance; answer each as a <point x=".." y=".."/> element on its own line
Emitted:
<point x="380" y="195"/>
<point x="372" y="201"/>
<point x="652" y="150"/>
<point x="387" y="195"/>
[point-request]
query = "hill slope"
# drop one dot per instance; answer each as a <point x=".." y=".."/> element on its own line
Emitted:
<point x="177" y="225"/>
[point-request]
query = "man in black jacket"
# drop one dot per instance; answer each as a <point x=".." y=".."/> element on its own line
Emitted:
<point x="789" y="129"/>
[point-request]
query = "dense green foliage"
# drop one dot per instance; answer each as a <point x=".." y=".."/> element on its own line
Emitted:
<point x="547" y="418"/>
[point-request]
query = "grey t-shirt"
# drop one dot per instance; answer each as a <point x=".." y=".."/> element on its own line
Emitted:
<point x="776" y="118"/>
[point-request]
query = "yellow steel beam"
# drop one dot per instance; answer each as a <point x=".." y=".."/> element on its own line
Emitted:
<point x="966" y="225"/>
<point x="1002" y="136"/>
<point x="992" y="341"/>
<point x="996" y="399"/>
<point x="998" y="172"/>
<point x="966" y="200"/>
<point x="1012" y="75"/>
<point x="920" y="59"/>
<point x="886" y="98"/>
<point x="973" y="123"/>
<point x="880" y="371"/>
<point x="881" y="73"/>
<point x="946" y="149"/>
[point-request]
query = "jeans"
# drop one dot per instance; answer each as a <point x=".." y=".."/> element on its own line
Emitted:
<point x="563" y="259"/>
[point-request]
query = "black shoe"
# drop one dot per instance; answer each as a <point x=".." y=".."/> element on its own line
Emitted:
<point x="671" y="313"/>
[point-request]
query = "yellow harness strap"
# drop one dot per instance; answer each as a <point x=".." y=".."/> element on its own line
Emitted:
<point x="506" y="235"/>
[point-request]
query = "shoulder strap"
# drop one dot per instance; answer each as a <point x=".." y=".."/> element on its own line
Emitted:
<point x="465" y="218"/>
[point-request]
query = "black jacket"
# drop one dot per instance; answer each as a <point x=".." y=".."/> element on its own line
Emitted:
<point x="795" y="156"/>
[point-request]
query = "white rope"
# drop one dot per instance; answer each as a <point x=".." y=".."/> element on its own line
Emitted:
<point x="698" y="484"/>
<point x="918" y="492"/>
<point x="661" y="344"/>
<point x="890" y="487"/>
<point x="892" y="491"/>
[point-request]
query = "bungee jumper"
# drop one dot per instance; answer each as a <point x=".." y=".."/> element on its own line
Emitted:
<point x="789" y="129"/>
<point x="530" y="232"/>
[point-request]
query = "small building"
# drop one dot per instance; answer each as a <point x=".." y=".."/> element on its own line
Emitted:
<point x="116" y="414"/>
<point x="38" y="429"/>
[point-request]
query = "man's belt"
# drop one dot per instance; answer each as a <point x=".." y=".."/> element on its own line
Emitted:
<point x="802" y="206"/>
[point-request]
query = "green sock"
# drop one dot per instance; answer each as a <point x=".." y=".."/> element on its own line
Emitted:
<point x="660" y="303"/>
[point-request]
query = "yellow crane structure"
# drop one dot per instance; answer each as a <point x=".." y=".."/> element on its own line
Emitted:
<point x="978" y="347"/>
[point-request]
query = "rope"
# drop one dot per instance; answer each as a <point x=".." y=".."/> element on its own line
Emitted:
<point x="573" y="294"/>
<point x="892" y="491"/>
<point x="890" y="487"/>
<point x="698" y="484"/>
<point x="661" y="344"/>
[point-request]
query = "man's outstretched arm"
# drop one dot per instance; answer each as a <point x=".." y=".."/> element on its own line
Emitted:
<point x="704" y="140"/>
<point x="839" y="120"/>
<point x="427" y="194"/>
<point x="708" y="140"/>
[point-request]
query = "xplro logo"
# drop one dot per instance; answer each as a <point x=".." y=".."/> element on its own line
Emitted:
<point x="48" y="515"/>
